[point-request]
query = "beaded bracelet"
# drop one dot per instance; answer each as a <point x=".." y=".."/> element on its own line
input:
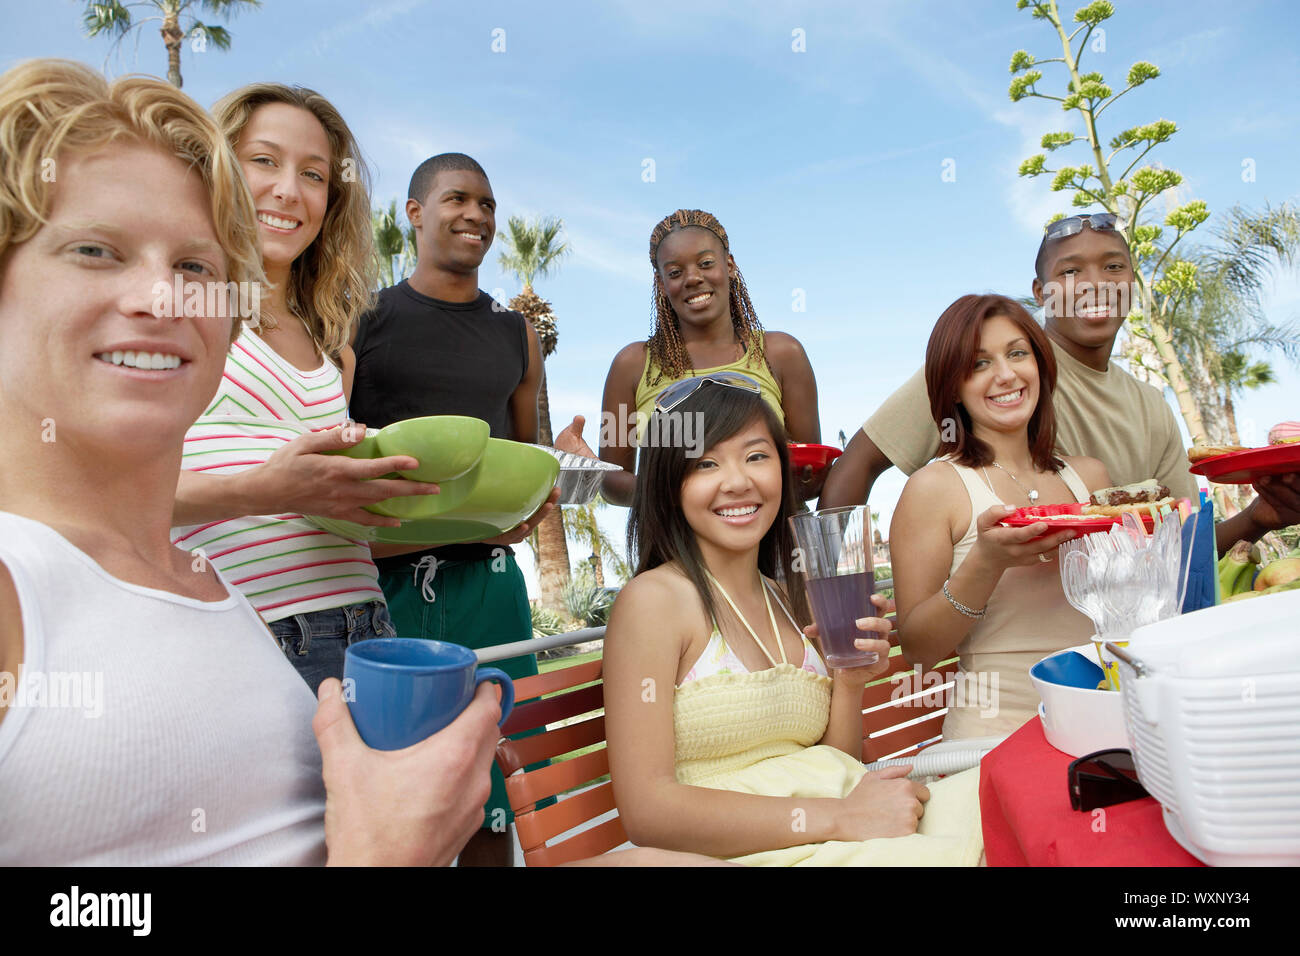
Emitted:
<point x="962" y="608"/>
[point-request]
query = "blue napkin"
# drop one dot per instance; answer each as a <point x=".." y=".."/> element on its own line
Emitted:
<point x="1200" y="559"/>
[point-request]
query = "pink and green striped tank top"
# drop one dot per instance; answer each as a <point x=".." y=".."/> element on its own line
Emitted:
<point x="282" y="563"/>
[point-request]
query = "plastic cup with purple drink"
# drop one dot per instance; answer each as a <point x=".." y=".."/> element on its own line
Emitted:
<point x="835" y="547"/>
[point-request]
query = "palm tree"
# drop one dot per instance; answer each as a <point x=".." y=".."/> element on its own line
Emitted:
<point x="533" y="249"/>
<point x="583" y="528"/>
<point x="1220" y="322"/>
<point x="176" y="18"/>
<point x="395" y="245"/>
<point x="1236" y="373"/>
<point x="1217" y="324"/>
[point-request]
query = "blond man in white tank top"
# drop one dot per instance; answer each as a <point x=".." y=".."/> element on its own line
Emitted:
<point x="188" y="711"/>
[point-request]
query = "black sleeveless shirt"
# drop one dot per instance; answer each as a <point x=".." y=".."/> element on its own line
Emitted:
<point x="420" y="356"/>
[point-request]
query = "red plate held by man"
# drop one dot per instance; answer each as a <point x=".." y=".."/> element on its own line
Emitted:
<point x="1246" y="467"/>
<point x="819" y="456"/>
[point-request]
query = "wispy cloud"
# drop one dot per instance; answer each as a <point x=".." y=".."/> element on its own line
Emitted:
<point x="842" y="164"/>
<point x="1197" y="49"/>
<point x="374" y="16"/>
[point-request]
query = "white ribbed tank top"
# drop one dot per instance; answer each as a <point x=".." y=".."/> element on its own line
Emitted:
<point x="202" y="750"/>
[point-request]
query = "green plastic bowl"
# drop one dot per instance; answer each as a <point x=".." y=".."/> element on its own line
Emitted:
<point x="514" y="480"/>
<point x="510" y="482"/>
<point x="446" y="446"/>
<point x="452" y="493"/>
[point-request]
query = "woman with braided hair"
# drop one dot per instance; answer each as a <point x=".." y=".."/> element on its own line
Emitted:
<point x="704" y="323"/>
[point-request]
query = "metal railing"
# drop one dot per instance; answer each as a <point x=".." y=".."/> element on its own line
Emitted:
<point x="536" y="645"/>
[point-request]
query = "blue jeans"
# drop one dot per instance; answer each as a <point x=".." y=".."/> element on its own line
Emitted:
<point x="316" y="642"/>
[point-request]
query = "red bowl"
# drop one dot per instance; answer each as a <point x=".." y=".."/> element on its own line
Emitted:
<point x="819" y="456"/>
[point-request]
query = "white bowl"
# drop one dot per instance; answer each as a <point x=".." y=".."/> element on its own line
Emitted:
<point x="1078" y="721"/>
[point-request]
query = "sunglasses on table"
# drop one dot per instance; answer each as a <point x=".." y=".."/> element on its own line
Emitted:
<point x="678" y="392"/>
<point x="1062" y="228"/>
<point x="1103" y="779"/>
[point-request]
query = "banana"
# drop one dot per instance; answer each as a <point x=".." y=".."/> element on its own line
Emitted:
<point x="1276" y="589"/>
<point x="1282" y="571"/>
<point x="1236" y="572"/>
<point x="1245" y="580"/>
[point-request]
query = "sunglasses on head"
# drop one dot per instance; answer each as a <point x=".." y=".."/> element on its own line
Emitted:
<point x="1104" y="778"/>
<point x="1101" y="221"/>
<point x="678" y="392"/>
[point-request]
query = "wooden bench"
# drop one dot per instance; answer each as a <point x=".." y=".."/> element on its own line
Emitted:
<point x="575" y="695"/>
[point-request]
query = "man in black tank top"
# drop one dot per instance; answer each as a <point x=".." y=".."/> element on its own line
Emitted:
<point x="435" y="344"/>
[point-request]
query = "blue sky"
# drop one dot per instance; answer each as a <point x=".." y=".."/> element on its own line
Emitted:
<point x="825" y="166"/>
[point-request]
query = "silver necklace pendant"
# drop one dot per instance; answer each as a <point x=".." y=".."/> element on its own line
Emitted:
<point x="1030" y="493"/>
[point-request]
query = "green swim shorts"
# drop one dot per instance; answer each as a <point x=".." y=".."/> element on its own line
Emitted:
<point x="477" y="604"/>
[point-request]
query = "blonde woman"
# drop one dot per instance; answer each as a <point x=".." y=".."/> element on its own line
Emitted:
<point x="252" y="462"/>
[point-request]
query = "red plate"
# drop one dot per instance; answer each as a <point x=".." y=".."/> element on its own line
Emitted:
<point x="819" y="456"/>
<point x="1023" y="517"/>
<point x="1245" y="467"/>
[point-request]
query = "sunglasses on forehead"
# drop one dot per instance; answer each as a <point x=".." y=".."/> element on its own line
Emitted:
<point x="678" y="392"/>
<point x="1062" y="228"/>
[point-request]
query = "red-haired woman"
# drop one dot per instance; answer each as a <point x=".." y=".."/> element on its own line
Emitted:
<point x="963" y="582"/>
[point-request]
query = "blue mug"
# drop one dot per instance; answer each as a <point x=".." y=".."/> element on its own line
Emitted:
<point x="402" y="690"/>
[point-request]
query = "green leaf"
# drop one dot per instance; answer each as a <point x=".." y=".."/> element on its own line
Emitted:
<point x="1094" y="90"/>
<point x="1021" y="60"/>
<point x="1179" y="278"/>
<point x="1022" y="86"/>
<point x="1064" y="179"/>
<point x="532" y="248"/>
<point x="1119" y="188"/>
<point x="219" y="36"/>
<point x="1157" y="132"/>
<point x="1071" y="102"/>
<point x="1152" y="180"/>
<point x="103" y="17"/>
<point x="1057" y="140"/>
<point x="1083" y="200"/>
<point x="1033" y="166"/>
<point x="1094" y="13"/>
<point x="1147" y="233"/>
<point x="1125" y="138"/>
<point x="1187" y="217"/>
<point x="1142" y="71"/>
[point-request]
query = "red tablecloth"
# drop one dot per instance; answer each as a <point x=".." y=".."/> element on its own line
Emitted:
<point x="1025" y="808"/>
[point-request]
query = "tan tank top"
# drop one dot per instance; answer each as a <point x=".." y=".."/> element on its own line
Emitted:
<point x="1028" y="618"/>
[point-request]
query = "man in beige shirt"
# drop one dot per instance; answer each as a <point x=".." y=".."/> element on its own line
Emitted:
<point x="1083" y="281"/>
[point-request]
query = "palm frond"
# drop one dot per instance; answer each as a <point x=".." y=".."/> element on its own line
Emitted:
<point x="227" y="7"/>
<point x="1252" y="244"/>
<point x="218" y="36"/>
<point x="110" y="17"/>
<point x="582" y="527"/>
<point x="532" y="248"/>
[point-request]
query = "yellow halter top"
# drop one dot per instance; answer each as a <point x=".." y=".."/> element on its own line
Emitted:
<point x="727" y="722"/>
<point x="759" y="371"/>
